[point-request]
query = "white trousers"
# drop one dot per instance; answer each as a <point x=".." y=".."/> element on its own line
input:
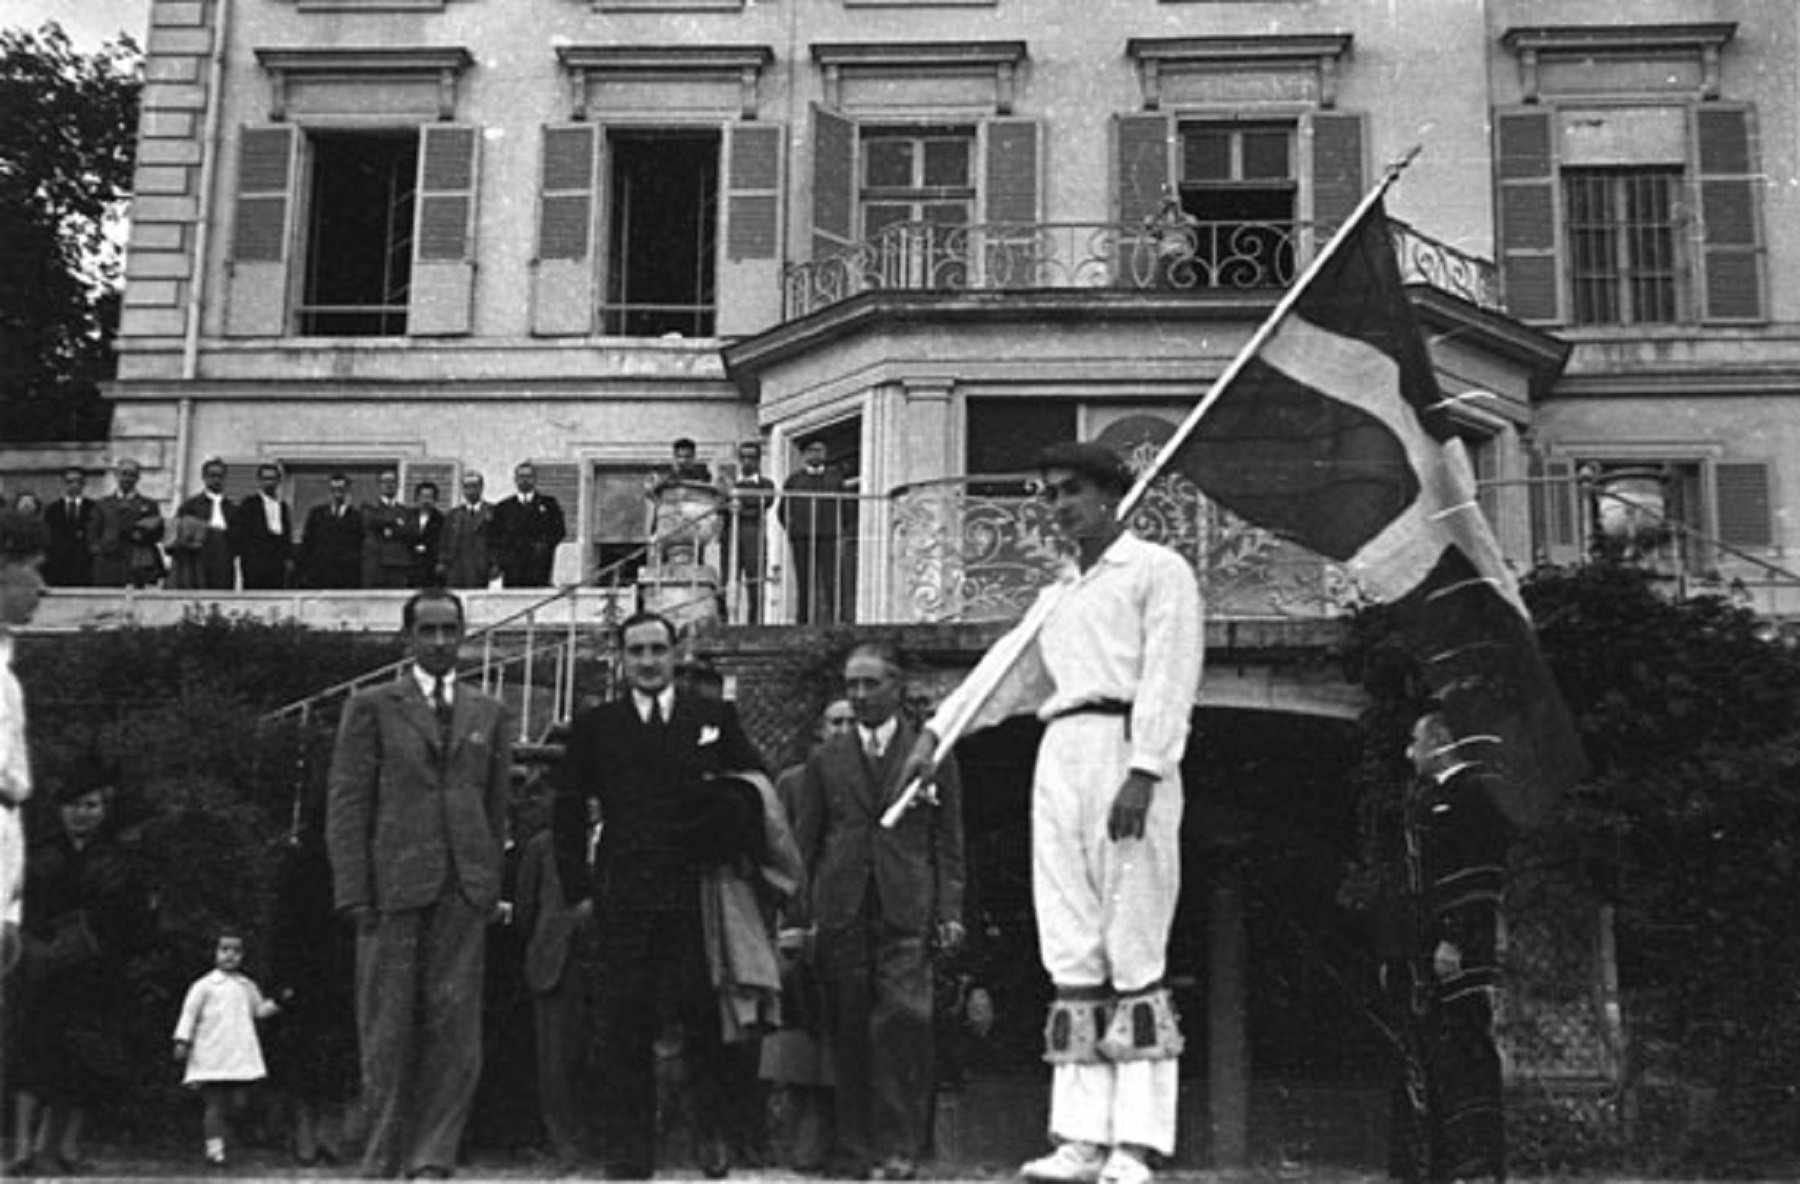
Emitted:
<point x="1104" y="911"/>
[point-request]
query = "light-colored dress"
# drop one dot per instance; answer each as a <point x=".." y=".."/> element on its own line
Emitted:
<point x="218" y="1023"/>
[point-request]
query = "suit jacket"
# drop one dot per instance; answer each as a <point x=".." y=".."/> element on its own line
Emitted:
<point x="262" y="556"/>
<point x="916" y="868"/>
<point x="387" y="551"/>
<point x="68" y="563"/>
<point x="640" y="776"/>
<point x="402" y="813"/>
<point x="331" y="548"/>
<point x="464" y="546"/>
<point x="428" y="534"/>
<point x="524" y="539"/>
<point x="123" y="538"/>
<point x="817" y="517"/>
<point x="214" y="566"/>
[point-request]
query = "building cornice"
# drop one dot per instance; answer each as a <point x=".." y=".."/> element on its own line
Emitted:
<point x="445" y="63"/>
<point x="743" y="63"/>
<point x="1319" y="52"/>
<point x="1001" y="59"/>
<point x="1702" y="42"/>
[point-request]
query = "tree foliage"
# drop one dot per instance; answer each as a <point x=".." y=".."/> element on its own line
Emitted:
<point x="68" y="124"/>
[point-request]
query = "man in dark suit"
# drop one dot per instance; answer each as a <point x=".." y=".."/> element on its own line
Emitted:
<point x="263" y="528"/>
<point x="467" y="528"/>
<point x="428" y="536"/>
<point x="331" y="548"/>
<point x="207" y="555"/>
<point x="752" y="493"/>
<point x="69" y="563"/>
<point x="124" y="534"/>
<point x="879" y="900"/>
<point x="388" y="536"/>
<point x="416" y="826"/>
<point x="528" y="527"/>
<point x="818" y="513"/>
<point x="645" y="758"/>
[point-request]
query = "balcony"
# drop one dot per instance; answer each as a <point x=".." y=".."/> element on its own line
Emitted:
<point x="1204" y="258"/>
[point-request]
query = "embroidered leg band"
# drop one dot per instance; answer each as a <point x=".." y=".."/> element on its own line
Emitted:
<point x="1078" y="1019"/>
<point x="1143" y="1027"/>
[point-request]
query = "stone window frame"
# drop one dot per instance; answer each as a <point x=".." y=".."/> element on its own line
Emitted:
<point x="745" y="63"/>
<point x="446" y="64"/>
<point x="1703" y="42"/>
<point x="1001" y="59"/>
<point x="1322" y="53"/>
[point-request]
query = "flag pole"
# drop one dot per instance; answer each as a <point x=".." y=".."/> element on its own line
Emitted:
<point x="1027" y="629"/>
<point x="1265" y="330"/>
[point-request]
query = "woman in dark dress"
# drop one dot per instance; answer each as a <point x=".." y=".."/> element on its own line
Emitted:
<point x="84" y="915"/>
<point x="313" y="1053"/>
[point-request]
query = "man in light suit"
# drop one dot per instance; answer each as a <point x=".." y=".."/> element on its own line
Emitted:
<point x="124" y="533"/>
<point x="416" y="826"/>
<point x="263" y="527"/>
<point x="647" y="758"/>
<point x="464" y="552"/>
<point x="879" y="900"/>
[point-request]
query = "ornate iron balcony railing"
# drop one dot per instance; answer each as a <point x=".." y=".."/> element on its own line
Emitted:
<point x="1194" y="257"/>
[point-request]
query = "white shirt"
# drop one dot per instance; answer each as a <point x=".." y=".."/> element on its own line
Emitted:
<point x="664" y="699"/>
<point x="875" y="740"/>
<point x="1128" y="628"/>
<point x="15" y="787"/>
<point x="428" y="685"/>
<point x="271" y="513"/>
<point x="217" y="520"/>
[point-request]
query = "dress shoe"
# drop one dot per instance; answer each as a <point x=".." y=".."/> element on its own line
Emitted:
<point x="895" y="1167"/>
<point x="1070" y="1163"/>
<point x="1122" y="1167"/>
<point x="431" y="1171"/>
<point x="715" y="1160"/>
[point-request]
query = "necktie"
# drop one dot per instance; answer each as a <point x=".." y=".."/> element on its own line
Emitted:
<point x="655" y="718"/>
<point x="872" y="745"/>
<point x="440" y="702"/>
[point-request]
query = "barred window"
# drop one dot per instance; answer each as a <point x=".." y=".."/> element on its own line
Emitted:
<point x="1624" y="262"/>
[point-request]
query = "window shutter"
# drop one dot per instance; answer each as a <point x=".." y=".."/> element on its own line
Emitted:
<point x="1143" y="146"/>
<point x="1011" y="163"/>
<point x="1731" y="249"/>
<point x="1525" y="148"/>
<point x="1335" y="150"/>
<point x="562" y="274"/>
<point x="262" y="231"/>
<point x="750" y="270"/>
<point x="1741" y="494"/>
<point x="441" y="473"/>
<point x="834" y="183"/>
<point x="561" y="479"/>
<point x="1555" y="511"/>
<point x="443" y="276"/>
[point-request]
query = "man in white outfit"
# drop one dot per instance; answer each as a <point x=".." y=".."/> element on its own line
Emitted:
<point x="1110" y="659"/>
<point x="23" y="542"/>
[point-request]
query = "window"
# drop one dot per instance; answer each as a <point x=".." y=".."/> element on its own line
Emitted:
<point x="917" y="198"/>
<point x="1647" y="512"/>
<point x="1239" y="188"/>
<point x="1623" y="245"/>
<point x="664" y="197"/>
<point x="359" y="235"/>
<point x="1006" y="435"/>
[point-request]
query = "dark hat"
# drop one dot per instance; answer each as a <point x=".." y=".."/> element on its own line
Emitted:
<point x="721" y="818"/>
<point x="1096" y="462"/>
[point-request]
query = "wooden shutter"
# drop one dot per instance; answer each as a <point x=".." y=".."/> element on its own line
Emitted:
<point x="562" y="273"/>
<point x="561" y="479"/>
<point x="1011" y="172"/>
<point x="441" y="473"/>
<point x="1143" y="153"/>
<point x="1741" y="496"/>
<point x="834" y="183"/>
<point x="1730" y="246"/>
<point x="1335" y="157"/>
<point x="750" y="267"/>
<point x="262" y="232"/>
<point x="1556" y="508"/>
<point x="443" y="274"/>
<point x="1525" y="150"/>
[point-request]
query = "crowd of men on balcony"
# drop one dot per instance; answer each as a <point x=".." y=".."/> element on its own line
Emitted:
<point x="219" y="543"/>
<point x="257" y="543"/>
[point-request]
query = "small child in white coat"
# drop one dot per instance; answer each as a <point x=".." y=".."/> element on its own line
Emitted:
<point x="216" y="1039"/>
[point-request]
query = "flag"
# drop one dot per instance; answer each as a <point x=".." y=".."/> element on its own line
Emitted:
<point x="1333" y="433"/>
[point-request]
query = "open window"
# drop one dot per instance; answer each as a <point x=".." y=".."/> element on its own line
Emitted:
<point x="663" y="198"/>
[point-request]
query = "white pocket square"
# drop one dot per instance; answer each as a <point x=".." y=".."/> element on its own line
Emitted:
<point x="709" y="735"/>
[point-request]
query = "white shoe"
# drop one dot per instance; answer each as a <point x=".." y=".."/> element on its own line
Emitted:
<point x="1122" y="1167"/>
<point x="1070" y="1163"/>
